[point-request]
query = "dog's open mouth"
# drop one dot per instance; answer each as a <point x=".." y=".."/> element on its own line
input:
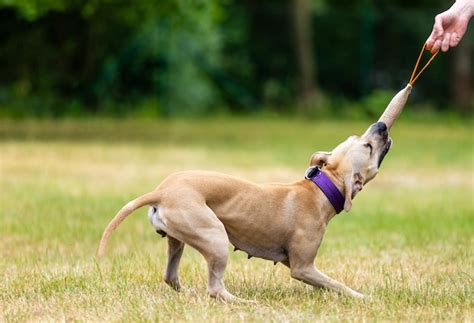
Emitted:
<point x="385" y="151"/>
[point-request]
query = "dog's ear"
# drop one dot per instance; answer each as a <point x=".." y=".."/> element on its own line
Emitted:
<point x="353" y="184"/>
<point x="319" y="159"/>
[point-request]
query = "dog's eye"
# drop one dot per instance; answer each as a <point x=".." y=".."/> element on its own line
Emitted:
<point x="370" y="147"/>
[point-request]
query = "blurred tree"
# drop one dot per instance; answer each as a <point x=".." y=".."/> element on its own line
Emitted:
<point x="366" y="45"/>
<point x="304" y="52"/>
<point x="461" y="82"/>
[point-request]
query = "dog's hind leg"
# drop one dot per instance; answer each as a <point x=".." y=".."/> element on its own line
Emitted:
<point x="216" y="257"/>
<point x="175" y="251"/>
<point x="198" y="226"/>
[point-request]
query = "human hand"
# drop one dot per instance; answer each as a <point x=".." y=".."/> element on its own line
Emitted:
<point x="450" y="26"/>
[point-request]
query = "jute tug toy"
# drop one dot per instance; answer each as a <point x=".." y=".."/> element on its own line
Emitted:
<point x="398" y="102"/>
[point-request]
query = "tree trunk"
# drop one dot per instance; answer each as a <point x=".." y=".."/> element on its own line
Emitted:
<point x="308" y="92"/>
<point x="461" y="85"/>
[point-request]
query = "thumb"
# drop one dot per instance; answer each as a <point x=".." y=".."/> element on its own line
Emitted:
<point x="438" y="29"/>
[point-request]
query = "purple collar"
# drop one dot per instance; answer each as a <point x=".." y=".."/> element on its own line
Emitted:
<point x="322" y="181"/>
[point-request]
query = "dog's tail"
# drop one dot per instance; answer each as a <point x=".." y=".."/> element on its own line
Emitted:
<point x="131" y="206"/>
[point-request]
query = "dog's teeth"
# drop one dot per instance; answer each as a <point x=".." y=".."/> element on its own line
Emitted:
<point x="249" y="256"/>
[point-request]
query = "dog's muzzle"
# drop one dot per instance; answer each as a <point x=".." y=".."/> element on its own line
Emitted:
<point x="380" y="128"/>
<point x="384" y="151"/>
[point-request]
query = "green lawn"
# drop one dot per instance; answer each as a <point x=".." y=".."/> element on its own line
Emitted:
<point x="408" y="242"/>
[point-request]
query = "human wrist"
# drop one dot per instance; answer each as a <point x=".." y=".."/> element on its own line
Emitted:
<point x="464" y="8"/>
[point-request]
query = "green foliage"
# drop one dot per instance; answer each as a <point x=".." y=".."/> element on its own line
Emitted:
<point x="104" y="57"/>
<point x="33" y="9"/>
<point x="113" y="53"/>
<point x="375" y="103"/>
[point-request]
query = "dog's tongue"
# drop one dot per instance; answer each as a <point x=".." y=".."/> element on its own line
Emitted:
<point x="395" y="106"/>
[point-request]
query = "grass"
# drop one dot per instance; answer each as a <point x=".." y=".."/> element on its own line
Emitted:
<point x="408" y="242"/>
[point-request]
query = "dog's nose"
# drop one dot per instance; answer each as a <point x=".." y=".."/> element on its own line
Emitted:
<point x="381" y="127"/>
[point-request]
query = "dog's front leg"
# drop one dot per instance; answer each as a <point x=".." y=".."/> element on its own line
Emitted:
<point x="312" y="276"/>
<point x="302" y="252"/>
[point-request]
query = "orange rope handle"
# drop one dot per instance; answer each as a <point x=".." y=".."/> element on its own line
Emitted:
<point x="414" y="76"/>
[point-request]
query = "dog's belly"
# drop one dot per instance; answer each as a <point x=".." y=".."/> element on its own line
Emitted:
<point x="275" y="253"/>
<point x="259" y="235"/>
<point x="257" y="220"/>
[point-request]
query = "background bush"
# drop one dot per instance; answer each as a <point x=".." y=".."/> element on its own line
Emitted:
<point x="177" y="57"/>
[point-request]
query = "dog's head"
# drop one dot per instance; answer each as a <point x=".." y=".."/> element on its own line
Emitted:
<point x="356" y="161"/>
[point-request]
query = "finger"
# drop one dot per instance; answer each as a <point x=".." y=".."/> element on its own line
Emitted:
<point x="445" y="42"/>
<point x="454" y="40"/>
<point x="461" y="29"/>
<point x="430" y="42"/>
<point x="436" y="46"/>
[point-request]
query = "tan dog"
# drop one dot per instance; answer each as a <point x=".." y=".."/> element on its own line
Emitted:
<point x="279" y="222"/>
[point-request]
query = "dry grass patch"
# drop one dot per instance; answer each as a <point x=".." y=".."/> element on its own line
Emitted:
<point x="407" y="243"/>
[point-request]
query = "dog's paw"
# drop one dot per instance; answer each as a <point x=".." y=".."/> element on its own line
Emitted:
<point x="227" y="298"/>
<point x="173" y="283"/>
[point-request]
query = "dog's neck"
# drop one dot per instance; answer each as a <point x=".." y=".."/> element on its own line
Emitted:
<point x="330" y="185"/>
<point x="336" y="178"/>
